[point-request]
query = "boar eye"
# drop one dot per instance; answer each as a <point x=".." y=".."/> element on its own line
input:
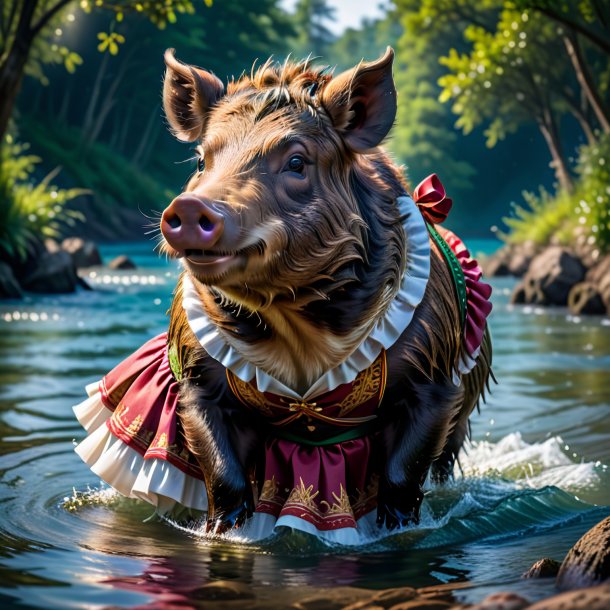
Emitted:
<point x="200" y="164"/>
<point x="295" y="164"/>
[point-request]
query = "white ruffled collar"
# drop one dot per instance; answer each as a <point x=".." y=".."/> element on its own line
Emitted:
<point x="383" y="335"/>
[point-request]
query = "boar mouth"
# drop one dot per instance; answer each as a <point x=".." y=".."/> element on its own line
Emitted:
<point x="204" y="257"/>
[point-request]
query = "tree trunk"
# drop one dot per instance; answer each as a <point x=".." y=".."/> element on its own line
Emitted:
<point x="549" y="131"/>
<point x="12" y="68"/>
<point x="585" y="79"/>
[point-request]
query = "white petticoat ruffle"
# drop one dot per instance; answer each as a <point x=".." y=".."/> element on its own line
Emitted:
<point x="154" y="480"/>
<point x="384" y="334"/>
<point x="262" y="526"/>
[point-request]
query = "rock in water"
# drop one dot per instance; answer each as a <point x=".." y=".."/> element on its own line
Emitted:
<point x="552" y="273"/>
<point x="83" y="252"/>
<point x="9" y="287"/>
<point x="504" y="600"/>
<point x="585" y="298"/>
<point x="593" y="598"/>
<point x="543" y="568"/>
<point x="599" y="275"/>
<point x="53" y="274"/>
<point x="122" y="262"/>
<point x="588" y="561"/>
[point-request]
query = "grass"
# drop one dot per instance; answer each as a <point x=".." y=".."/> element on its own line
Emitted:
<point x="563" y="216"/>
<point x="30" y="209"/>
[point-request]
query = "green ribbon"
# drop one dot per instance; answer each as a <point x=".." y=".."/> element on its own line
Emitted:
<point x="174" y="362"/>
<point x="459" y="282"/>
<point x="348" y="435"/>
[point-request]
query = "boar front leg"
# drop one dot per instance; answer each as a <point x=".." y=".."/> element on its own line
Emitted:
<point x="212" y="434"/>
<point x="415" y="434"/>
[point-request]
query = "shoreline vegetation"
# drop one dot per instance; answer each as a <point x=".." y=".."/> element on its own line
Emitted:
<point x="560" y="244"/>
<point x="494" y="96"/>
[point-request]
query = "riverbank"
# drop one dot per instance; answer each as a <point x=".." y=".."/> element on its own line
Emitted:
<point x="577" y="277"/>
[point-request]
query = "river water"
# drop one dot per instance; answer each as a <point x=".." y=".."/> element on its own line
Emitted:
<point x="534" y="480"/>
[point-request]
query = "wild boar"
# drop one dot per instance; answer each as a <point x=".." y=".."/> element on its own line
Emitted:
<point x="327" y="340"/>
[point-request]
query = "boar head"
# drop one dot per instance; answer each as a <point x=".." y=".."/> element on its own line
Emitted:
<point x="291" y="188"/>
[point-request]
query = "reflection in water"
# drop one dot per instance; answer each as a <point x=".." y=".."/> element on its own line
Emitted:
<point x="531" y="480"/>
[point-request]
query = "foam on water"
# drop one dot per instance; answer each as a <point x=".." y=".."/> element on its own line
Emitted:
<point x="533" y="465"/>
<point x="503" y="489"/>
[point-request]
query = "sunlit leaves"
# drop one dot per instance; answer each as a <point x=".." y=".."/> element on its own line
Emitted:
<point x="32" y="209"/>
<point x="509" y="76"/>
<point x="110" y="42"/>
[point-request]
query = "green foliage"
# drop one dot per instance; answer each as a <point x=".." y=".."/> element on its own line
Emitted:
<point x="30" y="210"/>
<point x="509" y="75"/>
<point x="424" y="138"/>
<point x="593" y="193"/>
<point x="113" y="179"/>
<point x="565" y="216"/>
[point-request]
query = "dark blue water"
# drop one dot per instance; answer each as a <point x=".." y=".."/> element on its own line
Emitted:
<point x="535" y="479"/>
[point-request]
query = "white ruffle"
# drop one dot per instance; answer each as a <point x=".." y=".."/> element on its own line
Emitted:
<point x="384" y="334"/>
<point x="262" y="525"/>
<point x="153" y="480"/>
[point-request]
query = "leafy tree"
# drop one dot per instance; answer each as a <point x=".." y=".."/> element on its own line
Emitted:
<point x="589" y="18"/>
<point x="582" y="24"/>
<point x="424" y="137"/>
<point x="510" y="76"/>
<point x="26" y="27"/>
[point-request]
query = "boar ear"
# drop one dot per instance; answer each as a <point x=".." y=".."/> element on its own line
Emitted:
<point x="188" y="95"/>
<point x="362" y="102"/>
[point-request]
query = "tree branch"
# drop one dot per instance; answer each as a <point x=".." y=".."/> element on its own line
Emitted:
<point x="46" y="17"/>
<point x="581" y="29"/>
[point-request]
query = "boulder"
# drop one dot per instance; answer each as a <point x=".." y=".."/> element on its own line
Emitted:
<point x="387" y="598"/>
<point x="423" y="604"/>
<point x="51" y="245"/>
<point x="599" y="275"/>
<point x="528" y="291"/>
<point x="122" y="262"/>
<point x="53" y="274"/>
<point x="585" y="298"/>
<point x="9" y="287"/>
<point x="588" y="561"/>
<point x="504" y="600"/>
<point x="496" y="265"/>
<point x="551" y="275"/>
<point x="543" y="568"/>
<point x="593" y="598"/>
<point x="335" y="598"/>
<point x="223" y="590"/>
<point x="83" y="252"/>
<point x="511" y="259"/>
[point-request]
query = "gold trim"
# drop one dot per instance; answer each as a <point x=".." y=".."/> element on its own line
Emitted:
<point x="366" y="385"/>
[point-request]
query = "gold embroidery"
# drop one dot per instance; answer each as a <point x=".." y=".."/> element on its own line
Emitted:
<point x="366" y="385"/>
<point x="247" y="394"/>
<point x="364" y="498"/>
<point x="162" y="443"/>
<point x="304" y="496"/>
<point x="340" y="506"/>
<point x="135" y="425"/>
<point x="269" y="491"/>
<point x="121" y="410"/>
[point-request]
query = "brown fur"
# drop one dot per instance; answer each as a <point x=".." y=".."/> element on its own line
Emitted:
<point x="320" y="260"/>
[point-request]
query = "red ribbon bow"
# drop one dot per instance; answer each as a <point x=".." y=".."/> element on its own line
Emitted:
<point x="430" y="197"/>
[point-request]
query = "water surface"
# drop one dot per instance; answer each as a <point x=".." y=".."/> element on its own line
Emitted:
<point x="534" y="480"/>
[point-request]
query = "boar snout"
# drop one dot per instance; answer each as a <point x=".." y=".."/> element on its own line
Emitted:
<point x="190" y="223"/>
